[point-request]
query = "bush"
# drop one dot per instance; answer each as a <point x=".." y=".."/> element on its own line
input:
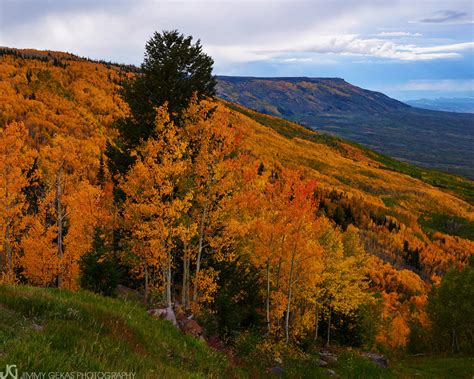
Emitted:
<point x="451" y="309"/>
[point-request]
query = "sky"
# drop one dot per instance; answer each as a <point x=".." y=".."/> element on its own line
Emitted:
<point x="408" y="49"/>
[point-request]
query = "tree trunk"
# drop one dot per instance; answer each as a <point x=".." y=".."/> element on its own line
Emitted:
<point x="146" y="282"/>
<point x="168" y="282"/>
<point x="198" y="261"/>
<point x="185" y="289"/>
<point x="60" y="227"/>
<point x="277" y="287"/>
<point x="316" y="324"/>
<point x="279" y="266"/>
<point x="288" y="305"/>
<point x="268" y="297"/>
<point x="329" y="329"/>
<point x="8" y="249"/>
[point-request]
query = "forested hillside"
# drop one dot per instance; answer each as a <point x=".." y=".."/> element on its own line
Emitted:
<point x="247" y="221"/>
<point x="432" y="139"/>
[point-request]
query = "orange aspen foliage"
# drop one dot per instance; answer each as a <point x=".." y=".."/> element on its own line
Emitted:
<point x="67" y="165"/>
<point x="15" y="159"/>
<point x="211" y="141"/>
<point x="40" y="261"/>
<point x="153" y="209"/>
<point x="83" y="212"/>
<point x="279" y="211"/>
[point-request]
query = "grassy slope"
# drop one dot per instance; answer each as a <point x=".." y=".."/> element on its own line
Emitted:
<point x="418" y="197"/>
<point x="51" y="330"/>
<point x="434" y="367"/>
<point x="457" y="185"/>
<point x="86" y="332"/>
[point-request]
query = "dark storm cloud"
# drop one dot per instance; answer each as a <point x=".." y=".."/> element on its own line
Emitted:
<point x="444" y="16"/>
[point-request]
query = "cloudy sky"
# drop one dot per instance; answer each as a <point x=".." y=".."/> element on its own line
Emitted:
<point x="405" y="48"/>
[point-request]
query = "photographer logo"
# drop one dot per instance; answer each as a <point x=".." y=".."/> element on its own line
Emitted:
<point x="11" y="372"/>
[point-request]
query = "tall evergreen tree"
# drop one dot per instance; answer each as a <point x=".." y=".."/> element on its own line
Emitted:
<point x="174" y="69"/>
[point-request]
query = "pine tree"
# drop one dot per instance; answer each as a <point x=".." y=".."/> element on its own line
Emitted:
<point x="174" y="70"/>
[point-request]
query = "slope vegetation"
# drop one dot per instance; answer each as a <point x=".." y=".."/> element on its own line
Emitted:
<point x="57" y="331"/>
<point x="50" y="330"/>
<point x="428" y="138"/>
<point x="416" y="223"/>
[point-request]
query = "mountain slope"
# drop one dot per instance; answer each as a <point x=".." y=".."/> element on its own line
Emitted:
<point x="47" y="330"/>
<point x="415" y="224"/>
<point x="431" y="139"/>
<point x="79" y="97"/>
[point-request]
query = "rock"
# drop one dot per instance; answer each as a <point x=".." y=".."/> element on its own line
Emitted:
<point x="188" y="325"/>
<point x="126" y="293"/>
<point x="277" y="370"/>
<point x="378" y="359"/>
<point x="328" y="357"/>
<point x="164" y="314"/>
<point x="191" y="327"/>
<point x="331" y="373"/>
<point x="322" y="363"/>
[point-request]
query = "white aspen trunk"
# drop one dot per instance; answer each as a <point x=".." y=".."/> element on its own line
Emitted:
<point x="329" y="329"/>
<point x="288" y="306"/>
<point x="199" y="256"/>
<point x="277" y="287"/>
<point x="185" y="289"/>
<point x="316" y="324"/>
<point x="146" y="281"/>
<point x="168" y="282"/>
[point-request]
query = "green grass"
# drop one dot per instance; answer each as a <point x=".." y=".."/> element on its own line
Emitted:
<point x="447" y="224"/>
<point x="352" y="366"/>
<point x="86" y="332"/>
<point x="459" y="186"/>
<point x="462" y="187"/>
<point x="287" y="128"/>
<point x="434" y="367"/>
<point x="52" y="330"/>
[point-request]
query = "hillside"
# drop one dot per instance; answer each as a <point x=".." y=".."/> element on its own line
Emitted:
<point x="52" y="331"/>
<point x="68" y="332"/>
<point x="415" y="224"/>
<point x="427" y="138"/>
<point x="80" y="97"/>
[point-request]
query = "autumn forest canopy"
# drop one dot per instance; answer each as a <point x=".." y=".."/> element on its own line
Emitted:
<point x="256" y="226"/>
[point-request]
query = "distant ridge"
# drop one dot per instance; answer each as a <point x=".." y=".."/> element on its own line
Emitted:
<point x="441" y="140"/>
<point x="459" y="104"/>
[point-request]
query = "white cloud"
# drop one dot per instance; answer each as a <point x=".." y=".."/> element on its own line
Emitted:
<point x="291" y="60"/>
<point x="351" y="44"/>
<point x="398" y="34"/>
<point x="231" y="32"/>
